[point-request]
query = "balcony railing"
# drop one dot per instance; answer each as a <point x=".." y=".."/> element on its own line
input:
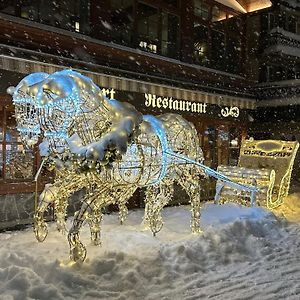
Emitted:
<point x="283" y="41"/>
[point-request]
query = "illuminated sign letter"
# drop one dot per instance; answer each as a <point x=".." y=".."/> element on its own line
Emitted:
<point x="165" y="102"/>
<point x="175" y="105"/>
<point x="194" y="107"/>
<point x="158" y="102"/>
<point x="150" y="99"/>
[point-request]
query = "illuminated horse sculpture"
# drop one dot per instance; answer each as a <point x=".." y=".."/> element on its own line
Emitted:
<point x="107" y="147"/>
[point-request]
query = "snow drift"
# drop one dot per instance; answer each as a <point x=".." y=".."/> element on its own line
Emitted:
<point x="243" y="253"/>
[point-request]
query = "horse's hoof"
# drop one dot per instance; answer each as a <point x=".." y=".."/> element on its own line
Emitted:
<point x="78" y="253"/>
<point x="41" y="232"/>
<point x="62" y="228"/>
<point x="197" y="231"/>
<point x="96" y="242"/>
<point x="156" y="225"/>
<point x="95" y="238"/>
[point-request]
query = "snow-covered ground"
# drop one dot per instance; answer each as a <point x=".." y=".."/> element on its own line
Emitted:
<point x="243" y="253"/>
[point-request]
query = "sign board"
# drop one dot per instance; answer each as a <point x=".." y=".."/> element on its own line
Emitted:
<point x="149" y="103"/>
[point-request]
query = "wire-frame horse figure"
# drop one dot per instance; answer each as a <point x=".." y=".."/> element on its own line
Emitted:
<point x="108" y="147"/>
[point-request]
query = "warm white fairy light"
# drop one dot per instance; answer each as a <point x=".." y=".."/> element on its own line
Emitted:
<point x="267" y="162"/>
<point x="109" y="149"/>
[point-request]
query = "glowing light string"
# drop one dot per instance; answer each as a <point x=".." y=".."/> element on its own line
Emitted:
<point x="94" y="142"/>
<point x="161" y="134"/>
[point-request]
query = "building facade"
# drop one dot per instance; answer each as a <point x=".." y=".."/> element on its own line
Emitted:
<point x="224" y="65"/>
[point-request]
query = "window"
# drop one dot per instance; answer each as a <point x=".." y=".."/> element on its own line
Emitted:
<point x="16" y="162"/>
<point x="218" y="14"/>
<point x="234" y="25"/>
<point x="30" y="10"/>
<point x="148" y="24"/>
<point x="170" y="35"/>
<point x="218" y="49"/>
<point x="291" y="24"/>
<point x="68" y="14"/>
<point x="275" y="73"/>
<point x="201" y="9"/>
<point x="201" y="44"/>
<point x="172" y="2"/>
<point x="7" y="6"/>
<point x="209" y="146"/>
<point x="235" y="135"/>
<point x="222" y="145"/>
<point x="233" y="54"/>
<point x="271" y="21"/>
<point x="122" y="21"/>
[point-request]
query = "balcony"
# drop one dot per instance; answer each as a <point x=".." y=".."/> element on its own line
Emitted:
<point x="283" y="43"/>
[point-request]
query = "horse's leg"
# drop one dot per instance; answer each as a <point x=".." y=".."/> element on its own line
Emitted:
<point x="90" y="202"/>
<point x="124" y="195"/>
<point x="94" y="220"/>
<point x="191" y="185"/>
<point x="61" y="204"/>
<point x="156" y="199"/>
<point x="68" y="184"/>
<point x="151" y="194"/>
<point x="46" y="198"/>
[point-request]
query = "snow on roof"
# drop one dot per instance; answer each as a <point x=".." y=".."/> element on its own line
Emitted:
<point x="293" y="3"/>
<point x="288" y="34"/>
<point x="292" y="51"/>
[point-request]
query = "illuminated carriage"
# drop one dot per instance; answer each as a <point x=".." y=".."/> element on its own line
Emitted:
<point x="108" y="148"/>
<point x="268" y="164"/>
<point x="105" y="146"/>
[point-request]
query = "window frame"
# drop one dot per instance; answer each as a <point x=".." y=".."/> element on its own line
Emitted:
<point x="16" y="185"/>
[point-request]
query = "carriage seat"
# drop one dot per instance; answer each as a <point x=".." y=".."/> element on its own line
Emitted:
<point x="268" y="164"/>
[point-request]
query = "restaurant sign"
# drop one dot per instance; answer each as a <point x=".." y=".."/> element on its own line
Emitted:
<point x="151" y="101"/>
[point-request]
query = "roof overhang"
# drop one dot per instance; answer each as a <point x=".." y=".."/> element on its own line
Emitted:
<point x="26" y="66"/>
<point x="245" y="6"/>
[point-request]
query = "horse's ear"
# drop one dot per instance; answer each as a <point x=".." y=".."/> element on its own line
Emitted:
<point x="10" y="90"/>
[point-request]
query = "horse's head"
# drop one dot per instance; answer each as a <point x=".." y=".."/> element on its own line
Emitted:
<point x="24" y="99"/>
<point x="67" y="104"/>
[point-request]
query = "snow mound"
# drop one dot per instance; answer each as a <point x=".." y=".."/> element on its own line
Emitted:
<point x="243" y="253"/>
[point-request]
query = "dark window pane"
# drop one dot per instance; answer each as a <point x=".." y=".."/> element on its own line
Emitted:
<point x="233" y="54"/>
<point x="234" y="25"/>
<point x="292" y="24"/>
<point x="201" y="44"/>
<point x="209" y="144"/>
<point x="67" y="14"/>
<point x="122" y="21"/>
<point x="148" y="19"/>
<point x="276" y="73"/>
<point x="218" y="49"/>
<point x="7" y="7"/>
<point x="201" y="9"/>
<point x="222" y="145"/>
<point x="30" y="10"/>
<point x="11" y="134"/>
<point x="218" y="14"/>
<point x="170" y="35"/>
<point x="172" y="2"/>
<point x="19" y="162"/>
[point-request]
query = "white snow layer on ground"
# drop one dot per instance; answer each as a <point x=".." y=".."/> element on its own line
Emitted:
<point x="243" y="253"/>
